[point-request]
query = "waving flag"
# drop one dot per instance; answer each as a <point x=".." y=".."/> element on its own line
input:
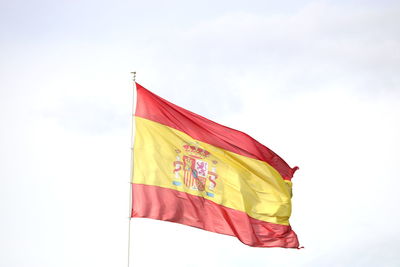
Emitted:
<point x="193" y="171"/>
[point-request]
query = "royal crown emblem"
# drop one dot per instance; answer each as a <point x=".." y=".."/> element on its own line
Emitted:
<point x="195" y="169"/>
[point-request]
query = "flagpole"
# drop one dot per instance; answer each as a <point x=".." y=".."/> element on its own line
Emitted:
<point x="132" y="158"/>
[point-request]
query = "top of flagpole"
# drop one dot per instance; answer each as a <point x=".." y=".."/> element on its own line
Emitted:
<point x="133" y="73"/>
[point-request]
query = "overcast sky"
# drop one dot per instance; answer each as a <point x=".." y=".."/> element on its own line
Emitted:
<point x="318" y="82"/>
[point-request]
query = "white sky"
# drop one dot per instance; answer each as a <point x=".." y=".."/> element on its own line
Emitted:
<point x="316" y="81"/>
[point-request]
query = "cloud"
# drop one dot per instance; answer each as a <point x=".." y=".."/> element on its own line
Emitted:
<point x="93" y="116"/>
<point x="322" y="45"/>
<point x="317" y="84"/>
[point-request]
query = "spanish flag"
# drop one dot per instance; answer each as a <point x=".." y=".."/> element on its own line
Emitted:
<point x="193" y="171"/>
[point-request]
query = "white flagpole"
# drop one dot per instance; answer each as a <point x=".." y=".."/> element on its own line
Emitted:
<point x="132" y="158"/>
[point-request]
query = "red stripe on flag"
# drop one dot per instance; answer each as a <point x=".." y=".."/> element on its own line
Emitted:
<point x="170" y="205"/>
<point x="155" y="108"/>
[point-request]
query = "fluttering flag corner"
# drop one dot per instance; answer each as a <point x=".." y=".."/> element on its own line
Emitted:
<point x="193" y="171"/>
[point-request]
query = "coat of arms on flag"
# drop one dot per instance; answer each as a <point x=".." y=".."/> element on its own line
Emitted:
<point x="195" y="170"/>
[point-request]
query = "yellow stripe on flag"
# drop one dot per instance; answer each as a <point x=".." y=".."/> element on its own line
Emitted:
<point x="240" y="183"/>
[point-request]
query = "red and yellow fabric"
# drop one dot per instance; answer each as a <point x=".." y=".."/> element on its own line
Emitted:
<point x="193" y="171"/>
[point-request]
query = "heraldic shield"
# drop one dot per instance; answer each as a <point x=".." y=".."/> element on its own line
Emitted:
<point x="194" y="169"/>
